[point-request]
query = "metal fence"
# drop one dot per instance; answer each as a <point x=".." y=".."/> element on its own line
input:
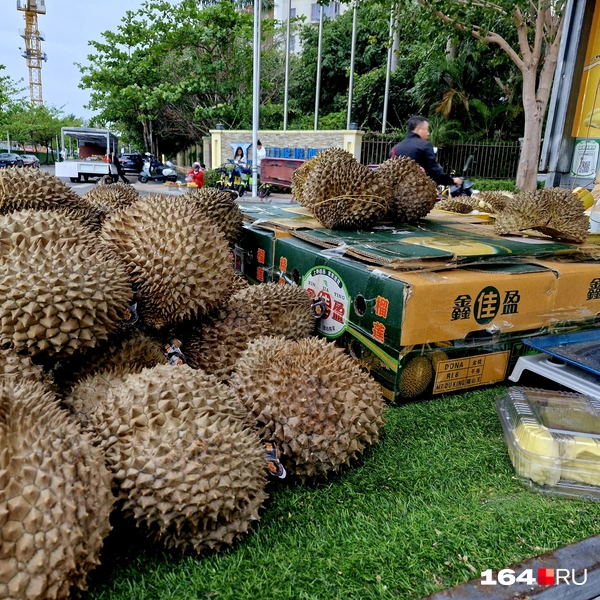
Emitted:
<point x="498" y="160"/>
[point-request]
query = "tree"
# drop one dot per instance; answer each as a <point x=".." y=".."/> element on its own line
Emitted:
<point x="539" y="25"/>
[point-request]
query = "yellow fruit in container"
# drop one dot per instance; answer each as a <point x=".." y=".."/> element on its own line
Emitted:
<point x="539" y="460"/>
<point x="584" y="460"/>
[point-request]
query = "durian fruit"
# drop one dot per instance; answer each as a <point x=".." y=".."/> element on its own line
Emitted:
<point x="22" y="367"/>
<point x="492" y="202"/>
<point x="555" y="212"/>
<point x="300" y="175"/>
<point x="343" y="194"/>
<point x="414" y="194"/>
<point x="540" y="460"/>
<point x="286" y="307"/>
<point x="216" y="346"/>
<point x="55" y="496"/>
<point x="59" y="289"/>
<point x="415" y="377"/>
<point x="22" y="189"/>
<point x="311" y="399"/>
<point x="130" y="353"/>
<point x="453" y="205"/>
<point x="89" y="393"/>
<point x="177" y="259"/>
<point x="108" y="198"/>
<point x="186" y="465"/>
<point x="436" y="357"/>
<point x="221" y="210"/>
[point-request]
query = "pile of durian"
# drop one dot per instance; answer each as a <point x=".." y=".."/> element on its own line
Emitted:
<point x="343" y="194"/>
<point x="140" y="376"/>
<point x="555" y="212"/>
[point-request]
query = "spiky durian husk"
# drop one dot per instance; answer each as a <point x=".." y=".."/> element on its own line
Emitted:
<point x="344" y="194"/>
<point x="108" y="198"/>
<point x="237" y="284"/>
<point x="221" y="210"/>
<point x="452" y="205"/>
<point x="413" y="193"/>
<point x="177" y="259"/>
<point x="493" y="202"/>
<point x="130" y="354"/>
<point x="216" y="346"/>
<point x="22" y="189"/>
<point x="311" y="399"/>
<point x="286" y="307"/>
<point x="553" y="211"/>
<point x="415" y="377"/>
<point x="59" y="290"/>
<point x="300" y="175"/>
<point x="187" y="466"/>
<point x="55" y="496"/>
<point x="22" y="367"/>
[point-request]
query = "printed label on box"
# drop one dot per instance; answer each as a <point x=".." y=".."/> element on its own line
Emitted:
<point x="324" y="283"/>
<point x="470" y="371"/>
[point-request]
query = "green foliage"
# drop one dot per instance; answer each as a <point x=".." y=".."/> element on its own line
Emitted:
<point x="431" y="506"/>
<point x="211" y="177"/>
<point x="495" y="185"/>
<point x="173" y="71"/>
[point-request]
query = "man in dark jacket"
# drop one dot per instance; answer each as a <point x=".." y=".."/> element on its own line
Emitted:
<point x="416" y="146"/>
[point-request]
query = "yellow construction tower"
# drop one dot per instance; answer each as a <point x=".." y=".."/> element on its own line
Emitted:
<point x="33" y="46"/>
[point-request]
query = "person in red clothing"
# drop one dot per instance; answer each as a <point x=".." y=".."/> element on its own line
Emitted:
<point x="196" y="175"/>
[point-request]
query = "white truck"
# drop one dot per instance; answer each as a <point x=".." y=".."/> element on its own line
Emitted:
<point x="76" y="170"/>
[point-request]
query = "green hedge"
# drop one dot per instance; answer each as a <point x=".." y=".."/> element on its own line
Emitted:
<point x="495" y="185"/>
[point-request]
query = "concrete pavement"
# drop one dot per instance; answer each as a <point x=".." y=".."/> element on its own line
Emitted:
<point x="158" y="188"/>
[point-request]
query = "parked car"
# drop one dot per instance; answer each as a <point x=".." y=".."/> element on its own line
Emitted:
<point x="30" y="160"/>
<point x="11" y="160"/>
<point x="132" y="161"/>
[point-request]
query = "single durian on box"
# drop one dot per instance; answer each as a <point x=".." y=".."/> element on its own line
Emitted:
<point x="311" y="399"/>
<point x="288" y="308"/>
<point x="55" y="496"/>
<point x="555" y="212"/>
<point x="540" y="461"/>
<point x="59" y="289"/>
<point x="177" y="259"/>
<point x="185" y="463"/>
<point x="492" y="202"/>
<point x="453" y="205"/>
<point x="413" y="193"/>
<point x="335" y="156"/>
<point x="220" y="208"/>
<point x="343" y="194"/>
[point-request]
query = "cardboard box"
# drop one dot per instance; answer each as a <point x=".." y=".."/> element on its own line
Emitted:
<point x="255" y="252"/>
<point x="448" y="285"/>
<point x="476" y="314"/>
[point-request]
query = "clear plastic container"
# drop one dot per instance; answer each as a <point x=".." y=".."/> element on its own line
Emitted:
<point x="553" y="440"/>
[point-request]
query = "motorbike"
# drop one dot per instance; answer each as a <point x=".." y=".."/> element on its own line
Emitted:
<point x="153" y="170"/>
<point x="455" y="191"/>
<point x="234" y="178"/>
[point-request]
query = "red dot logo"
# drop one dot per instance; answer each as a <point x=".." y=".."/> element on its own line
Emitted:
<point x="545" y="576"/>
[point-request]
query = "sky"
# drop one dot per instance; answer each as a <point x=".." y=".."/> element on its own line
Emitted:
<point x="68" y="25"/>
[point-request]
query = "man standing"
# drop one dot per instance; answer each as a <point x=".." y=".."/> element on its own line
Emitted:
<point x="416" y="146"/>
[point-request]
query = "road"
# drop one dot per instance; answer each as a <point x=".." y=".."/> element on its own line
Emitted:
<point x="158" y="188"/>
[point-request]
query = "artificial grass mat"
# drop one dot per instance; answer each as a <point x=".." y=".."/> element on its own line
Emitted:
<point x="432" y="505"/>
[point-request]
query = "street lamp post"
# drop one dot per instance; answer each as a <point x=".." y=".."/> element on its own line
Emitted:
<point x="255" y="96"/>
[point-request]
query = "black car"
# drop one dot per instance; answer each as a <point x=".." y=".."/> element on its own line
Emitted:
<point x="11" y="160"/>
<point x="132" y="161"/>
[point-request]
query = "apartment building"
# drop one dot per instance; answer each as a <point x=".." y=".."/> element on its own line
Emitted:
<point x="310" y="10"/>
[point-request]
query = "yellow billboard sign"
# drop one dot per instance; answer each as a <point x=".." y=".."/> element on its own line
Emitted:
<point x="587" y="118"/>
